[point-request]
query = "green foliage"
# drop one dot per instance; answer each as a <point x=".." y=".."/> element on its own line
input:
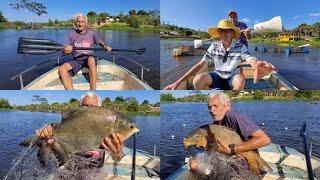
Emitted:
<point x="103" y="16"/>
<point x="132" y="104"/>
<point x="145" y="102"/>
<point x="133" y="22"/>
<point x="132" y="12"/>
<point x="119" y="99"/>
<point x="303" y="94"/>
<point x="74" y="101"/>
<point x="166" y="97"/>
<point x="4" y="103"/>
<point x="258" y="95"/>
<point x="34" y="7"/>
<point x="2" y="18"/>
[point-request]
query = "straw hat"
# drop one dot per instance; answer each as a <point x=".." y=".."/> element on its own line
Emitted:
<point x="224" y="24"/>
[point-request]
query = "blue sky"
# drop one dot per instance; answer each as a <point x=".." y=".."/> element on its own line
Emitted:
<point x="66" y="9"/>
<point x="201" y="14"/>
<point x="25" y="97"/>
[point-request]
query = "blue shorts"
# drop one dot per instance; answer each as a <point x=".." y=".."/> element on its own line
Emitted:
<point x="78" y="63"/>
<point x="220" y="83"/>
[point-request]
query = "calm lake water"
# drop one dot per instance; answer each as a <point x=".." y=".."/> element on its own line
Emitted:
<point x="12" y="63"/>
<point x="302" y="70"/>
<point x="15" y="126"/>
<point x="275" y="115"/>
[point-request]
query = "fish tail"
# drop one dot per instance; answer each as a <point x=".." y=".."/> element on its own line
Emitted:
<point x="45" y="152"/>
<point x="257" y="164"/>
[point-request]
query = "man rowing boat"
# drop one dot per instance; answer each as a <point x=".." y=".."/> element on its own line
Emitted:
<point x="227" y="56"/>
<point x="85" y="38"/>
<point x="244" y="30"/>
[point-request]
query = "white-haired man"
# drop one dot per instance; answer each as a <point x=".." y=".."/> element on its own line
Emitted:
<point x="81" y="37"/>
<point x="253" y="137"/>
<point x="113" y="144"/>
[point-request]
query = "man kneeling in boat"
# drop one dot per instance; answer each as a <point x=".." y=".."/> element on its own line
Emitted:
<point x="226" y="55"/>
<point x="84" y="38"/>
<point x="253" y="137"/>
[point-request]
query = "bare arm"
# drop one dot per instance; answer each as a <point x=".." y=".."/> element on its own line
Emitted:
<point x="258" y="140"/>
<point x="188" y="74"/>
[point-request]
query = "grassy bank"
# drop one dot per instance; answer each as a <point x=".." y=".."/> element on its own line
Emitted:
<point x="307" y="96"/>
<point x="314" y="44"/>
<point x="176" y="38"/>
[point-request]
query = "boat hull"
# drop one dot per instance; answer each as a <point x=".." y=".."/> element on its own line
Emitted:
<point x="110" y="77"/>
<point x="286" y="163"/>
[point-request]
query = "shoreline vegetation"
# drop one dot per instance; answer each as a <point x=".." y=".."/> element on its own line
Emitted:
<point x="134" y="21"/>
<point x="124" y="105"/>
<point x="301" y="35"/>
<point x="313" y="97"/>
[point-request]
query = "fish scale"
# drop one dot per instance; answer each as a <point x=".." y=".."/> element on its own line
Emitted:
<point x="82" y="129"/>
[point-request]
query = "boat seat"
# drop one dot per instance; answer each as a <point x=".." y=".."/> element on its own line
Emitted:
<point x="82" y="78"/>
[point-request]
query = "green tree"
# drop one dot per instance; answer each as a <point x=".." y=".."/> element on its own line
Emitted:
<point x="142" y="13"/>
<point x="166" y="97"/>
<point x="258" y="95"/>
<point x="92" y="17"/>
<point x="132" y="104"/>
<point x="50" y="22"/>
<point x="4" y="103"/>
<point x="119" y="99"/>
<point x="133" y="21"/>
<point x="74" y="101"/>
<point x="132" y="12"/>
<point x="2" y="18"/>
<point x="34" y="7"/>
<point x="145" y="102"/>
<point x="103" y="16"/>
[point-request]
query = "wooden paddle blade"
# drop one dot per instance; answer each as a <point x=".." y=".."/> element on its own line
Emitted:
<point x="37" y="46"/>
<point x="23" y="40"/>
<point x="37" y="51"/>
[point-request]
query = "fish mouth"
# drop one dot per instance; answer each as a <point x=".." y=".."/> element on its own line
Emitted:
<point x="185" y="143"/>
<point x="134" y="130"/>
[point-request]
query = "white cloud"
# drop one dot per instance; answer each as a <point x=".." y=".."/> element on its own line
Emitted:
<point x="296" y="17"/>
<point x="245" y="20"/>
<point x="256" y="21"/>
<point x="314" y="14"/>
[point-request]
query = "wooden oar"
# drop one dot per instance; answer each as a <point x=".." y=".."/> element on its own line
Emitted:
<point x="45" y="46"/>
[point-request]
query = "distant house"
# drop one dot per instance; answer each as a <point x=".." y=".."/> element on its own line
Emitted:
<point x="173" y="33"/>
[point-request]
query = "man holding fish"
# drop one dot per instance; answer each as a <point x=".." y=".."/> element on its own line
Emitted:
<point x="229" y="125"/>
<point x="113" y="143"/>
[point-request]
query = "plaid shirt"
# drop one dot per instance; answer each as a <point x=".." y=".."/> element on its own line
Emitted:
<point x="226" y="63"/>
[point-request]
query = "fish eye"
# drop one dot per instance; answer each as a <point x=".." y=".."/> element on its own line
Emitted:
<point x="132" y="126"/>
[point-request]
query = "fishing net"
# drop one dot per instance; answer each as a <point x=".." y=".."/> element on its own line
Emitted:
<point x="79" y="167"/>
<point x="213" y="165"/>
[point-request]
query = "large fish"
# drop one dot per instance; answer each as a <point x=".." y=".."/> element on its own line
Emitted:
<point x="81" y="130"/>
<point x="206" y="137"/>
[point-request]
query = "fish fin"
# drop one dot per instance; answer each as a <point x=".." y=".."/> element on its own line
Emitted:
<point x="60" y="153"/>
<point x="45" y="152"/>
<point x="257" y="164"/>
<point x="263" y="165"/>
